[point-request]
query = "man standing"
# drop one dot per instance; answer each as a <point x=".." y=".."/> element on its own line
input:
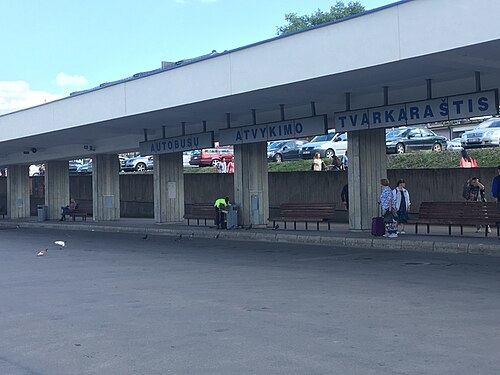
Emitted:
<point x="220" y="212"/>
<point x="221" y="166"/>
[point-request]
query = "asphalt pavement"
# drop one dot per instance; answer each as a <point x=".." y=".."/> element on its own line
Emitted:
<point x="115" y="303"/>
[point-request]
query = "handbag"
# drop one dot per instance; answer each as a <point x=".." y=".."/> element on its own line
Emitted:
<point x="389" y="217"/>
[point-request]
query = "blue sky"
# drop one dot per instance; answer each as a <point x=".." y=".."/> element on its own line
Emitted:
<point x="53" y="47"/>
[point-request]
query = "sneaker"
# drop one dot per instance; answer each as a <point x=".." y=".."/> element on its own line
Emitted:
<point x="386" y="234"/>
<point x="393" y="235"/>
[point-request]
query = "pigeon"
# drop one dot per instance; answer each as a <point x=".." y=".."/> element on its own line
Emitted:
<point x="217" y="236"/>
<point x="276" y="227"/>
<point x="191" y="236"/>
<point x="42" y="252"/>
<point x="61" y="244"/>
<point x="145" y="237"/>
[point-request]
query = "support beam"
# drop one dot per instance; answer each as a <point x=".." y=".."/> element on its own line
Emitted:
<point x="367" y="165"/>
<point x="106" y="187"/>
<point x="18" y="191"/>
<point x="169" y="188"/>
<point x="251" y="188"/>
<point x="56" y="188"/>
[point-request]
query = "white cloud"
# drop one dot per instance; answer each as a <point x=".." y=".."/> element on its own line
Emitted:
<point x="67" y="80"/>
<point x="16" y="95"/>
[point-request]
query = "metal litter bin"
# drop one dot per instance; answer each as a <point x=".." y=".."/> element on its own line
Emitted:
<point x="232" y="217"/>
<point x="42" y="212"/>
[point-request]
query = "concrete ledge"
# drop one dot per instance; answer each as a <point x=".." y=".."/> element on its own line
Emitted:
<point x="399" y="244"/>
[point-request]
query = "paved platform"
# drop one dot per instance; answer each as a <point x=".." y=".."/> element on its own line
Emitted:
<point x="339" y="235"/>
<point x="115" y="304"/>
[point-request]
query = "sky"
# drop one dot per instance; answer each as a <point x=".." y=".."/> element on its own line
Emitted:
<point x="51" y="48"/>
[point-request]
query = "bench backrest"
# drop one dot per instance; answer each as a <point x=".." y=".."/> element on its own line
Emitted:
<point x="308" y="210"/>
<point x="449" y="212"/>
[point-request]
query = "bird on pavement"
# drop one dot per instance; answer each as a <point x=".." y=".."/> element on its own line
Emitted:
<point x="61" y="244"/>
<point x="42" y="252"/>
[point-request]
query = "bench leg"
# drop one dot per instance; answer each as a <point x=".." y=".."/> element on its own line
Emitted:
<point x="317" y="225"/>
<point x="284" y="224"/>
<point x="486" y="230"/>
<point x="428" y="228"/>
<point x="306" y="225"/>
<point x="294" y="225"/>
<point x="461" y="230"/>
<point x="416" y="228"/>
<point x="328" y="225"/>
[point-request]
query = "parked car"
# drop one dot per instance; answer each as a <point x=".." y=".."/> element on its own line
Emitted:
<point x="137" y="164"/>
<point x="85" y="168"/>
<point x="284" y="150"/>
<point x="485" y="134"/>
<point x="211" y="156"/>
<point x="327" y="145"/>
<point x="186" y="157"/>
<point x="401" y="140"/>
<point x="454" y="144"/>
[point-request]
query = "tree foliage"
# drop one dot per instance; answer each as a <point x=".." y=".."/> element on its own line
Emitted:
<point x="336" y="12"/>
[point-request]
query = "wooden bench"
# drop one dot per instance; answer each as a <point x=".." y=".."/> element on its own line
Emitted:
<point x="200" y="211"/>
<point x="306" y="213"/>
<point x="459" y="213"/>
<point x="82" y="210"/>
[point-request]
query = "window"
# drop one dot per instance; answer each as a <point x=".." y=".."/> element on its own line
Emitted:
<point x="427" y="133"/>
<point x="415" y="133"/>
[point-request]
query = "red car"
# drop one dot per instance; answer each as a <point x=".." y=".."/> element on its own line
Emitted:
<point x="211" y="156"/>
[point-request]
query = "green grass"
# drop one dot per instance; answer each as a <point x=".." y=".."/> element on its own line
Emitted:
<point x="417" y="160"/>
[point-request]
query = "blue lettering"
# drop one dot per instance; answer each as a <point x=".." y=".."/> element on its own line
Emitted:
<point x="238" y="136"/>
<point x="414" y="113"/>
<point x="365" y="120"/>
<point x="272" y="131"/>
<point x="176" y="143"/>
<point x="190" y="142"/>
<point x="388" y="116"/>
<point x="402" y="115"/>
<point x="354" y="119"/>
<point x="377" y="117"/>
<point x="458" y="106"/>
<point x="183" y="143"/>
<point x="342" y="121"/>
<point x="298" y="128"/>
<point x="170" y="145"/>
<point x="471" y="107"/>
<point x="483" y="104"/>
<point x="196" y="141"/>
<point x="263" y="132"/>
<point x="444" y="109"/>
<point x="164" y="145"/>
<point x="254" y="133"/>
<point x="428" y="111"/>
<point x="158" y="147"/>
<point x="246" y="133"/>
<point x="152" y="148"/>
<point x="287" y="129"/>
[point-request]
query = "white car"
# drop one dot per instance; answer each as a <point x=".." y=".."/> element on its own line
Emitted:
<point x="486" y="133"/>
<point x="454" y="144"/>
<point x="327" y="145"/>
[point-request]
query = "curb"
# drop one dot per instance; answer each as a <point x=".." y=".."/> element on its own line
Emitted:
<point x="427" y="246"/>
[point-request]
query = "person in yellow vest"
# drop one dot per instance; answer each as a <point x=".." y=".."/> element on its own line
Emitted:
<point x="220" y="212"/>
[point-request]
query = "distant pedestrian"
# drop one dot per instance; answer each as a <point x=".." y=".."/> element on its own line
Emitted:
<point x="401" y="199"/>
<point x="345" y="161"/>
<point x="72" y="206"/>
<point x="466" y="161"/>
<point x="221" y="166"/>
<point x="476" y="193"/>
<point x="386" y="203"/>
<point x="344" y="196"/>
<point x="230" y="166"/>
<point x="318" y="164"/>
<point x="495" y="187"/>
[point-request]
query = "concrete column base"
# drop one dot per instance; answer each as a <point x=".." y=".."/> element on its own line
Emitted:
<point x="367" y="165"/>
<point x="169" y="188"/>
<point x="56" y="188"/>
<point x="251" y="187"/>
<point x="106" y="187"/>
<point x="18" y="191"/>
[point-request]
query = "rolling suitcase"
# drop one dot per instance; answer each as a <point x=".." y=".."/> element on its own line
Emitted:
<point x="378" y="226"/>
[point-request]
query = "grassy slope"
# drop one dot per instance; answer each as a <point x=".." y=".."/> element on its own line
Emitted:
<point x="427" y="159"/>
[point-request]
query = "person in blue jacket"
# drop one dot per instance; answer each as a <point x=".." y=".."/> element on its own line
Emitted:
<point x="495" y="186"/>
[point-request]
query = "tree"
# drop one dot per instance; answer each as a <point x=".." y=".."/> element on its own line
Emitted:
<point x="338" y="11"/>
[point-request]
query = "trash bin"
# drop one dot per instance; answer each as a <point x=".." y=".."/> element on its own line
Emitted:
<point x="42" y="212"/>
<point x="232" y="217"/>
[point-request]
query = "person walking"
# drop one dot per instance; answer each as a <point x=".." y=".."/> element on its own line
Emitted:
<point x="221" y="166"/>
<point x="386" y="203"/>
<point x="402" y="204"/>
<point x="230" y="166"/>
<point x="220" y="212"/>
<point x="318" y="164"/>
<point x="466" y="161"/>
<point x="495" y="190"/>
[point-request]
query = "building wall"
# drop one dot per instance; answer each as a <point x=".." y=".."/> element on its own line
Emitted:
<point x="136" y="190"/>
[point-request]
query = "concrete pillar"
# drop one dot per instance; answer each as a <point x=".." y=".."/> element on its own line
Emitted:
<point x="367" y="165"/>
<point x="251" y="188"/>
<point x="18" y="191"/>
<point x="56" y="187"/>
<point x="106" y="187"/>
<point x="169" y="188"/>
